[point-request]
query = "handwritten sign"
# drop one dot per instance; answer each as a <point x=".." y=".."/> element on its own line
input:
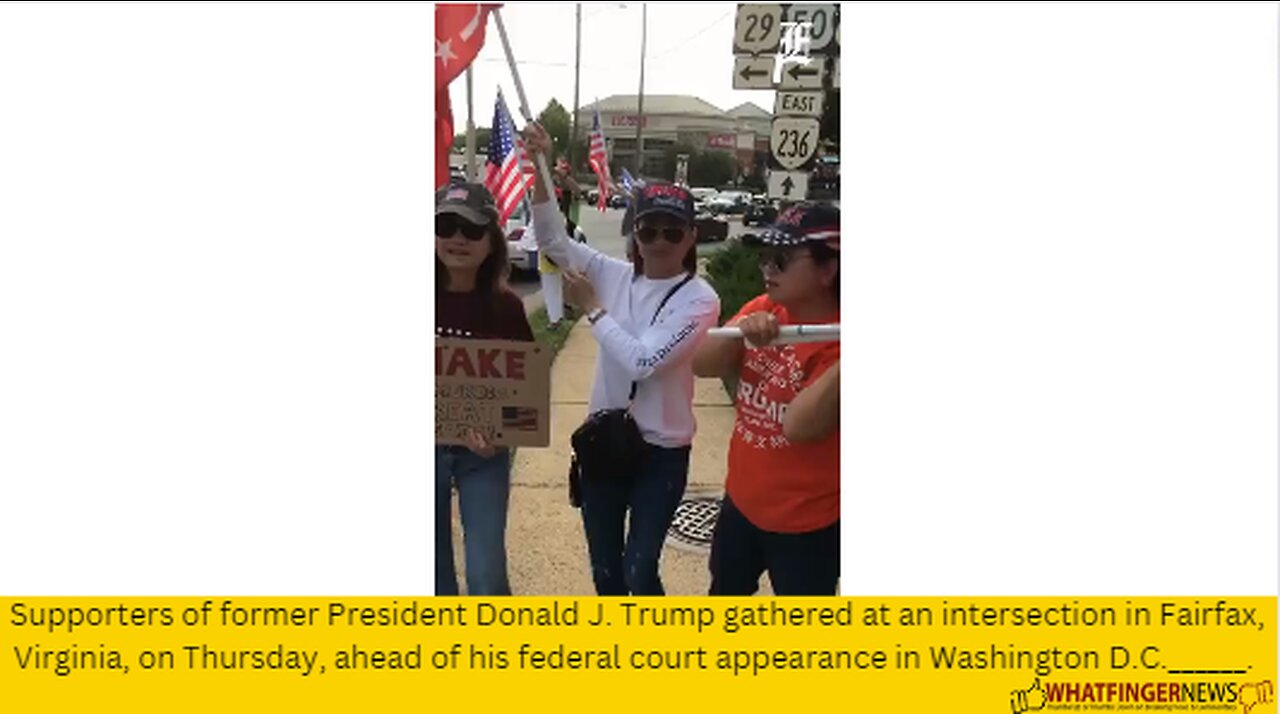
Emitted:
<point x="500" y="388"/>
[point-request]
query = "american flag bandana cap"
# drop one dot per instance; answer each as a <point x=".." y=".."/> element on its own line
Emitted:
<point x="472" y="201"/>
<point x="802" y="223"/>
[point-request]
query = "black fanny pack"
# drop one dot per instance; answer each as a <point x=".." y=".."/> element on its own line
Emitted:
<point x="608" y="445"/>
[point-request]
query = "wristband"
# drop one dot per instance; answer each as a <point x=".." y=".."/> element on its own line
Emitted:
<point x="595" y="315"/>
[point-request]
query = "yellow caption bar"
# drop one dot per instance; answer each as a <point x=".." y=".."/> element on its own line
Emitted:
<point x="952" y="654"/>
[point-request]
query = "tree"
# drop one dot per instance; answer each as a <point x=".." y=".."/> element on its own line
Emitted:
<point x="706" y="168"/>
<point x="667" y="170"/>
<point x="482" y="140"/>
<point x="711" y="168"/>
<point x="555" y="119"/>
<point x="829" y="124"/>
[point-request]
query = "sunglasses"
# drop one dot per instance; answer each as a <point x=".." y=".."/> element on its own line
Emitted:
<point x="648" y="234"/>
<point x="780" y="260"/>
<point x="450" y="224"/>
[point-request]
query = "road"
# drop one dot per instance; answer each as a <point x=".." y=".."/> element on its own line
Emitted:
<point x="603" y="231"/>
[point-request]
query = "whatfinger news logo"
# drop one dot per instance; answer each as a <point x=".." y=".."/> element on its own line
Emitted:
<point x="1238" y="696"/>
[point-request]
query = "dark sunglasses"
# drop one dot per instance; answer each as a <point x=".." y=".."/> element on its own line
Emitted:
<point x="780" y="260"/>
<point x="449" y="224"/>
<point x="648" y="234"/>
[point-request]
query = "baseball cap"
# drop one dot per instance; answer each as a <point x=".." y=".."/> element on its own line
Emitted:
<point x="664" y="197"/>
<point x="472" y="201"/>
<point x="805" y="222"/>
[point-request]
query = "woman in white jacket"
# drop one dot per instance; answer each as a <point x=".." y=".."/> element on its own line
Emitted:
<point x="647" y="315"/>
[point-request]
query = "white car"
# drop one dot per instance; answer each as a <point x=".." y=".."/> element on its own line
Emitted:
<point x="729" y="202"/>
<point x="701" y="196"/>
<point x="522" y="244"/>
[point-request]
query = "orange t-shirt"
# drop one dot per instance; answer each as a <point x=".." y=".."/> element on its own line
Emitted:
<point x="780" y="486"/>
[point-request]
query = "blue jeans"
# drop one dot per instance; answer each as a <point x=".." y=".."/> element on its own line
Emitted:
<point x="797" y="563"/>
<point x="484" y="486"/>
<point x="625" y="562"/>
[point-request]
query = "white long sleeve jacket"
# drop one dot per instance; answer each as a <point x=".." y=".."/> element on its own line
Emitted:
<point x="658" y="357"/>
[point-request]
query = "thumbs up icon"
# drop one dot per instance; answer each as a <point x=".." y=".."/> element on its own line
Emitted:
<point x="1030" y="699"/>
<point x="1251" y="695"/>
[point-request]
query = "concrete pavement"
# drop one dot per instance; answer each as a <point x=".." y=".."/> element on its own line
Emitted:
<point x="546" y="548"/>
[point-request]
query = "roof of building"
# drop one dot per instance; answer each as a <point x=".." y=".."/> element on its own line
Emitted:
<point x="747" y="110"/>
<point x="656" y="104"/>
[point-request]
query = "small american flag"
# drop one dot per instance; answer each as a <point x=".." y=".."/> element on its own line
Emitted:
<point x="599" y="159"/>
<point x="508" y="171"/>
<point x="520" y="418"/>
<point x="627" y="182"/>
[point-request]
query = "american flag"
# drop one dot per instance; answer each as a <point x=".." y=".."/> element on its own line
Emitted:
<point x="508" y="171"/>
<point x="599" y="160"/>
<point x="520" y="418"/>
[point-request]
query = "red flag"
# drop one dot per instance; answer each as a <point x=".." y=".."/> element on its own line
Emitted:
<point x="444" y="136"/>
<point x="459" y="37"/>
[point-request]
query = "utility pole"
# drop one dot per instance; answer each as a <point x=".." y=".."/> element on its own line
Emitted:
<point x="644" y="26"/>
<point x="577" y="65"/>
<point x="472" y="175"/>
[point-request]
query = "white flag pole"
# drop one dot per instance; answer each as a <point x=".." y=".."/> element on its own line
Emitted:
<point x="787" y="335"/>
<point x="524" y="104"/>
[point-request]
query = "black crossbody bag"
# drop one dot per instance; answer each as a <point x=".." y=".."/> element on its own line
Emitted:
<point x="608" y="446"/>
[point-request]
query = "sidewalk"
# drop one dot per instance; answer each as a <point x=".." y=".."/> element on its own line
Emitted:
<point x="546" y="548"/>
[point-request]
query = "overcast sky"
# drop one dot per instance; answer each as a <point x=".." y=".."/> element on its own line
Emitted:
<point x="689" y="51"/>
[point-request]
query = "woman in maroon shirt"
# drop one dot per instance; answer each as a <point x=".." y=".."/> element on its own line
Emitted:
<point x="473" y="301"/>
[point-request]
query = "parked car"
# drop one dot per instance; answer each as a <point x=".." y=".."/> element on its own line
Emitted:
<point x="729" y="203"/>
<point x="618" y="200"/>
<point x="522" y="244"/>
<point x="702" y="195"/>
<point x="761" y="213"/>
<point x="710" y="228"/>
<point x="522" y="248"/>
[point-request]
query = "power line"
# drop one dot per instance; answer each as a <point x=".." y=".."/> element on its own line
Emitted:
<point x="690" y="38"/>
<point x="529" y="62"/>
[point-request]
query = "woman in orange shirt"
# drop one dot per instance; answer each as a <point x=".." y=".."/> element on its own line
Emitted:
<point x="781" y="510"/>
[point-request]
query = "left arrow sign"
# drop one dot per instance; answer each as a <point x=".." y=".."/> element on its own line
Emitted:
<point x="753" y="72"/>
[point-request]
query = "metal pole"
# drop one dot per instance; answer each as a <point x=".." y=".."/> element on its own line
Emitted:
<point x="577" y="64"/>
<point x="471" y="134"/>
<point x="644" y="26"/>
<point x="524" y="104"/>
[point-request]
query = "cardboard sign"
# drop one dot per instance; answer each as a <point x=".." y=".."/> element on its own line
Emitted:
<point x="498" y="387"/>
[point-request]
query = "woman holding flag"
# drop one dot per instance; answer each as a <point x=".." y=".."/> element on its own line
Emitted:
<point x="781" y="510"/>
<point x="647" y="315"/>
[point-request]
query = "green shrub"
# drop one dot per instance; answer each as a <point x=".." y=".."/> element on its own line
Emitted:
<point x="734" y="272"/>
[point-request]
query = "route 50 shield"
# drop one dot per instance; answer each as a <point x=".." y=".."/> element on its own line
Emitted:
<point x="794" y="140"/>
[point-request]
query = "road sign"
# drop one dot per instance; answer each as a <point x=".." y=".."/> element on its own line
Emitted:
<point x="757" y="29"/>
<point x="789" y="185"/>
<point x="797" y="76"/>
<point x="797" y="104"/>
<point x="793" y="141"/>
<point x="825" y="19"/>
<point x="753" y="72"/>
